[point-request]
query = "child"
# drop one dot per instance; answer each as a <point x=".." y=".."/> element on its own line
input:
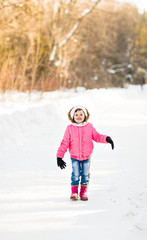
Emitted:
<point x="78" y="138"/>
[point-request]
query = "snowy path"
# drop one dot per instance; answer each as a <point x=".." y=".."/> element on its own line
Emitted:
<point x="34" y="193"/>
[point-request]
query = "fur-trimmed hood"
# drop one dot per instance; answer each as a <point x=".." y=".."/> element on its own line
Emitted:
<point x="76" y="108"/>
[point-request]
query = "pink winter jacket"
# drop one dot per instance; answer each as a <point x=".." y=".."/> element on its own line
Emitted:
<point x="79" y="141"/>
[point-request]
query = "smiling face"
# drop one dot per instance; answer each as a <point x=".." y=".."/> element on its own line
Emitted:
<point x="79" y="116"/>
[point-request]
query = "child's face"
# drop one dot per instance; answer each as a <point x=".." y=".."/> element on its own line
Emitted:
<point x="79" y="116"/>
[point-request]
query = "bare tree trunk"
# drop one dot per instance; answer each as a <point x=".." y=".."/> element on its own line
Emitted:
<point x="36" y="57"/>
<point x="23" y="77"/>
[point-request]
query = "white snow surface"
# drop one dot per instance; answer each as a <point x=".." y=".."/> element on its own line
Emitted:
<point x="35" y="194"/>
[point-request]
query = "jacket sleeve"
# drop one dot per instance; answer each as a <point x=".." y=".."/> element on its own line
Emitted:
<point x="97" y="137"/>
<point x="64" y="145"/>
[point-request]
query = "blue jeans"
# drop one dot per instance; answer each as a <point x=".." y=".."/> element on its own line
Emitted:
<point x="80" y="171"/>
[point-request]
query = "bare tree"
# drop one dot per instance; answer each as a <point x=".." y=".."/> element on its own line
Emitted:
<point x="52" y="44"/>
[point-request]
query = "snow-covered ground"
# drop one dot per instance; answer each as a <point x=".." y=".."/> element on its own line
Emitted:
<point x="34" y="193"/>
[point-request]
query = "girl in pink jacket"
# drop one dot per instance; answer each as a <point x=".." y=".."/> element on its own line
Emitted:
<point x="78" y="138"/>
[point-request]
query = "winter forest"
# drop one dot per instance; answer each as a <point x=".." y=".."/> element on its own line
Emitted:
<point x="54" y="55"/>
<point x="49" y="45"/>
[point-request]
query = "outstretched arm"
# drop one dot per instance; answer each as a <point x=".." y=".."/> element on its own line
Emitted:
<point x="97" y="137"/>
<point x="64" y="144"/>
<point x="62" y="149"/>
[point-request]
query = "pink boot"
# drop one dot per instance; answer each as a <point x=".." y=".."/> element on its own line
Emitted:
<point x="74" y="193"/>
<point x="83" y="193"/>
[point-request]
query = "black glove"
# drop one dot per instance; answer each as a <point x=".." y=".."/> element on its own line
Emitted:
<point x="61" y="163"/>
<point x="109" y="140"/>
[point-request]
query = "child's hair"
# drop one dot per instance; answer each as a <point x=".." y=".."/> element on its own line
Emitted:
<point x="72" y="120"/>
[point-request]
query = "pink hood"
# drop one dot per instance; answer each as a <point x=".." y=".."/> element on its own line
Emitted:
<point x="79" y="141"/>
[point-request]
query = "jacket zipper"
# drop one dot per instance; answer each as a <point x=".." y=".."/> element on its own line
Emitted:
<point x="80" y="142"/>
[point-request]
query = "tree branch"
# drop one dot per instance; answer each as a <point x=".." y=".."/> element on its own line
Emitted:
<point x="73" y="30"/>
